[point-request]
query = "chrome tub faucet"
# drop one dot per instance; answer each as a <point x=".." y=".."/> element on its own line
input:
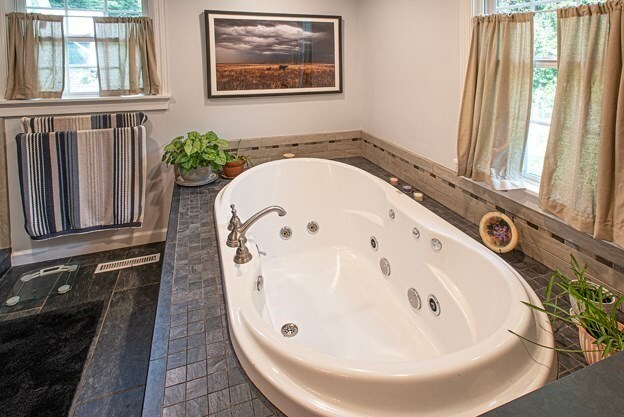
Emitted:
<point x="237" y="237"/>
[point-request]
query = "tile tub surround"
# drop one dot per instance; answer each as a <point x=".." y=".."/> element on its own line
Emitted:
<point x="320" y="145"/>
<point x="193" y="369"/>
<point x="113" y="379"/>
<point x="542" y="237"/>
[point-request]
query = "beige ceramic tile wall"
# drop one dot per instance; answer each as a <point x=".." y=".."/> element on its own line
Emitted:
<point x="322" y="145"/>
<point x="5" y="239"/>
<point x="542" y="237"/>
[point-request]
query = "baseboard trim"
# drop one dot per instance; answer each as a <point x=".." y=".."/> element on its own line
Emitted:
<point x="118" y="241"/>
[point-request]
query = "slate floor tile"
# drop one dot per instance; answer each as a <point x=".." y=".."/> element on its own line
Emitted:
<point x="240" y="393"/>
<point x="124" y="404"/>
<point x="176" y="360"/>
<point x="197" y="407"/>
<point x="196" y="370"/>
<point x="139" y="276"/>
<point x="243" y="410"/>
<point x="217" y="381"/>
<point x="175" y="376"/>
<point x="196" y="354"/>
<point x="85" y="288"/>
<point x="177" y="410"/>
<point x="219" y="400"/>
<point x="196" y="388"/>
<point x="175" y="394"/>
<point x="121" y="355"/>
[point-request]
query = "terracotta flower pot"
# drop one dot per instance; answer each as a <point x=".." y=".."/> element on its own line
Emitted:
<point x="592" y="352"/>
<point x="234" y="168"/>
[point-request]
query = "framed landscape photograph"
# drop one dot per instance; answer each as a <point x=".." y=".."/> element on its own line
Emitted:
<point x="260" y="54"/>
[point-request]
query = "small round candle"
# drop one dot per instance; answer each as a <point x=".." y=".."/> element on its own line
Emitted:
<point x="289" y="155"/>
<point x="394" y="181"/>
<point x="419" y="196"/>
<point x="407" y="188"/>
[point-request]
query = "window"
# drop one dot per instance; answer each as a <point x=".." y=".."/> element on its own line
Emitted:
<point x="544" y="76"/>
<point x="81" y="75"/>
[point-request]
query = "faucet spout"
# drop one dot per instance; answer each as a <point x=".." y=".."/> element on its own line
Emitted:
<point x="253" y="219"/>
<point x="238" y="234"/>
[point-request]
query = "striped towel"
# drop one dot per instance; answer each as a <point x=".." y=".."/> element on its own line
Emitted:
<point x="82" y="181"/>
<point x="83" y="122"/>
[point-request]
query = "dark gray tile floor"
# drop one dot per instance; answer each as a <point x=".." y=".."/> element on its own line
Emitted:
<point x="194" y="371"/>
<point x="5" y="261"/>
<point x="114" y="377"/>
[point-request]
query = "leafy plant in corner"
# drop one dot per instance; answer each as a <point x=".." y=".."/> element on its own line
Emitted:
<point x="196" y="151"/>
<point x="607" y="334"/>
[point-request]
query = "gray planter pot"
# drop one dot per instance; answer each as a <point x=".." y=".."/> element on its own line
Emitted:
<point x="195" y="177"/>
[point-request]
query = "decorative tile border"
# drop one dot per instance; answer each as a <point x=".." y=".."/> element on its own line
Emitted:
<point x="322" y="145"/>
<point x="542" y="237"/>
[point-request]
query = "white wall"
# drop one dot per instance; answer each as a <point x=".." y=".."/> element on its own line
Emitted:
<point x="191" y="110"/>
<point x="411" y="71"/>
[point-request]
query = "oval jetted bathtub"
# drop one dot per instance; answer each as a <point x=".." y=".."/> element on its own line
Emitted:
<point x="352" y="288"/>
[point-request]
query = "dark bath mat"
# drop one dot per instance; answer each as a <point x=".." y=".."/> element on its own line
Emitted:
<point x="41" y="360"/>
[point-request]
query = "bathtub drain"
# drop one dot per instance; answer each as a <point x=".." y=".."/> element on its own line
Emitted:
<point x="290" y="330"/>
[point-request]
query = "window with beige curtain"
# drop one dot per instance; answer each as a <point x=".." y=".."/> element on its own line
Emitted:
<point x="583" y="178"/>
<point x="126" y="56"/>
<point x="495" y="112"/>
<point x="35" y="56"/>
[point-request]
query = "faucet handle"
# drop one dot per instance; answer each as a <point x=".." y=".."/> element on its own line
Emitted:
<point x="235" y="221"/>
<point x="243" y="255"/>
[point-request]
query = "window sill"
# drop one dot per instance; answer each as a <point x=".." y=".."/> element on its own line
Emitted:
<point x="43" y="107"/>
<point x="526" y="197"/>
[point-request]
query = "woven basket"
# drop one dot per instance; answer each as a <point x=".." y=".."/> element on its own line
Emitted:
<point x="592" y="352"/>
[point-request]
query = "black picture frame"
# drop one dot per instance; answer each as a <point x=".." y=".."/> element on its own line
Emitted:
<point x="273" y="71"/>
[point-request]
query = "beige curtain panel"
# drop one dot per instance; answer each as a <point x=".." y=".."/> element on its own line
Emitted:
<point x="583" y="177"/>
<point x="496" y="105"/>
<point x="35" y="55"/>
<point x="126" y="56"/>
<point x="609" y="223"/>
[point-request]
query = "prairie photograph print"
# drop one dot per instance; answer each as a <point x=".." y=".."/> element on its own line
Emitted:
<point x="253" y="54"/>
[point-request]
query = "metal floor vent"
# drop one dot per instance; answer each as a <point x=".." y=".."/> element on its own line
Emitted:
<point x="127" y="263"/>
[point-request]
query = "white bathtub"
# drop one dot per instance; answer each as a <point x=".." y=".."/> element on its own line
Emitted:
<point x="362" y="349"/>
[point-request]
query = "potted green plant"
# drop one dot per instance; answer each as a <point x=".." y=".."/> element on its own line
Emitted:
<point x="600" y="333"/>
<point x="587" y="291"/>
<point x="196" y="157"/>
<point x="235" y="164"/>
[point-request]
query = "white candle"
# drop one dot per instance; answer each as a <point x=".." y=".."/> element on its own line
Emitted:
<point x="419" y="196"/>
